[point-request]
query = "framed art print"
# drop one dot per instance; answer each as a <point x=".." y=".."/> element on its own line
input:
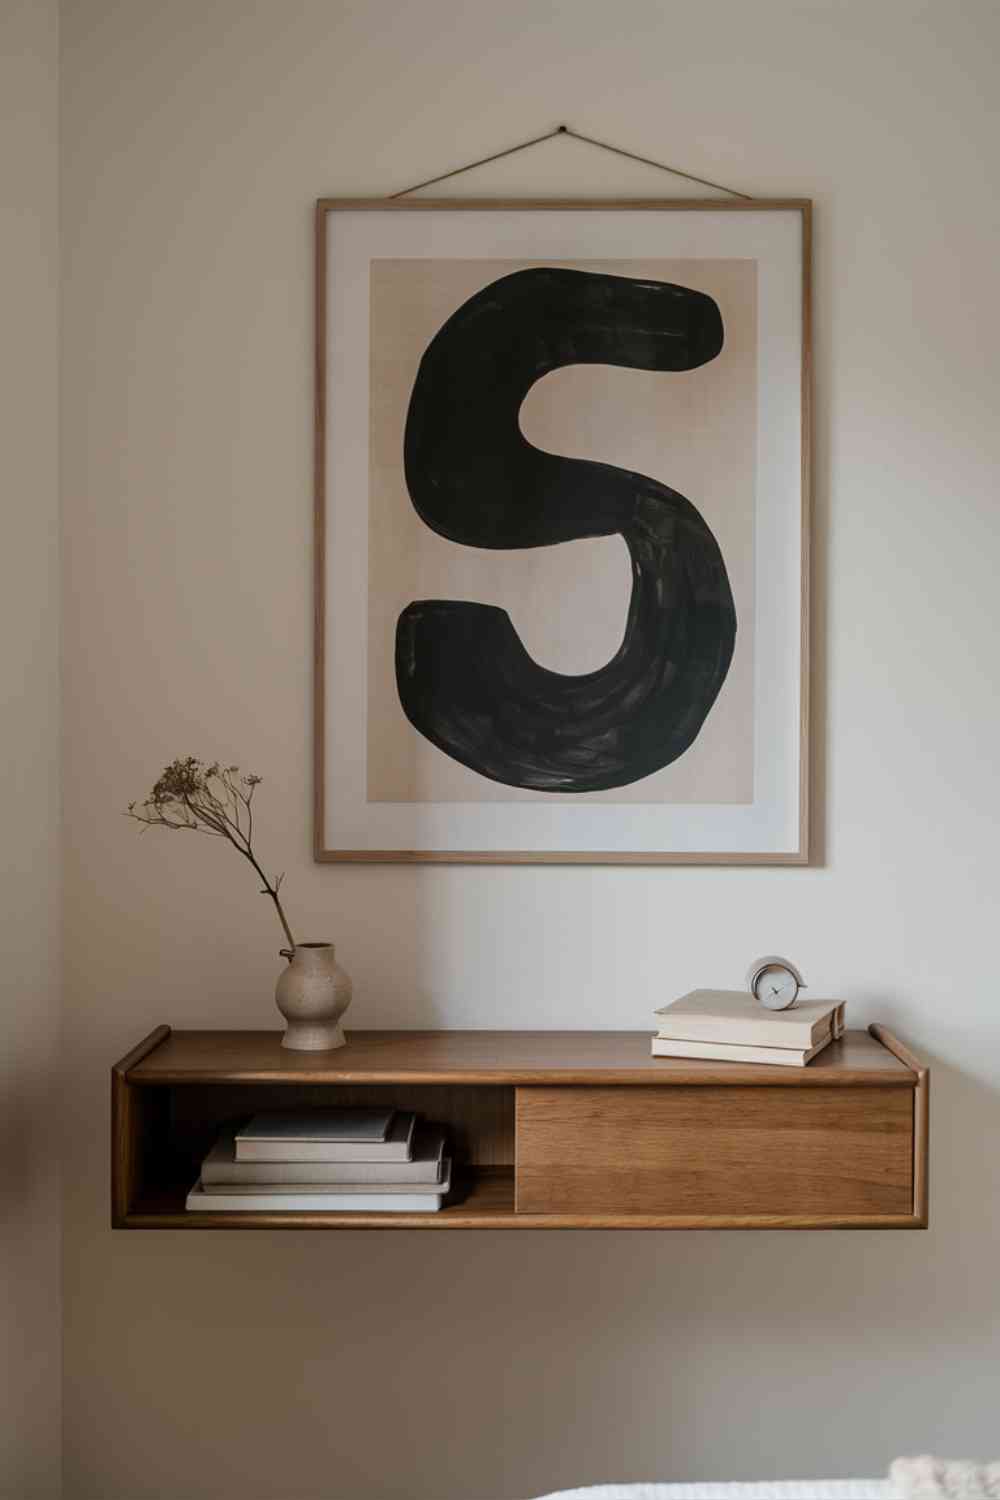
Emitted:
<point x="562" y="525"/>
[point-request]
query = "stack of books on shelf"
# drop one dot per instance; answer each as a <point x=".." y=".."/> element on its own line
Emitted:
<point x="319" y="1161"/>
<point x="732" y="1026"/>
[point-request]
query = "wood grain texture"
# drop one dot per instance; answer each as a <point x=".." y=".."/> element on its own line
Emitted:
<point x="804" y="1146"/>
<point x="124" y="1133"/>
<point x="496" y="1057"/>
<point x="141" y="1050"/>
<point x="921" y="1118"/>
<point x="131" y="1115"/>
<point x="805" y="621"/>
<point x="324" y="855"/>
<point x="546" y="857"/>
<point x="483" y="1200"/>
<point x="727" y="1152"/>
<point x="922" y="1148"/>
<point x="138" y="1132"/>
<point x="319" y="532"/>
<point x="693" y="204"/>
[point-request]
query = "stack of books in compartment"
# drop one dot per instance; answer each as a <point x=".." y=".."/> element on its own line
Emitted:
<point x="732" y="1026"/>
<point x="319" y="1161"/>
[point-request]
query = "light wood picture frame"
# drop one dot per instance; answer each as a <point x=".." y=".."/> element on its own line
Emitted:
<point x="529" y="646"/>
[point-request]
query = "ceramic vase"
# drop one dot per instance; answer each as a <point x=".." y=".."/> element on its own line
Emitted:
<point x="312" y="994"/>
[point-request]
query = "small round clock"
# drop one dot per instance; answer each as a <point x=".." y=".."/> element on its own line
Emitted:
<point x="775" y="982"/>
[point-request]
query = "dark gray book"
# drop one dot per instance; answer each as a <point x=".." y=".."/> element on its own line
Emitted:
<point x="328" y="1135"/>
<point x="221" y="1171"/>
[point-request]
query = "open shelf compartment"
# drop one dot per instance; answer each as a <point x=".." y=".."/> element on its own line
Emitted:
<point x="528" y="1114"/>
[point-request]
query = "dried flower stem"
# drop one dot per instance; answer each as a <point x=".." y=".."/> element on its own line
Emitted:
<point x="214" y="799"/>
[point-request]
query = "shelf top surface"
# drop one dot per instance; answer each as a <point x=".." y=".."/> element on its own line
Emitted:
<point x="486" y="1057"/>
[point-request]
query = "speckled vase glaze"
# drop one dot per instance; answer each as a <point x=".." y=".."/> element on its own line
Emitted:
<point x="312" y="994"/>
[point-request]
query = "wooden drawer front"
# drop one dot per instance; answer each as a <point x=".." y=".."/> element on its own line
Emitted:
<point x="715" y="1150"/>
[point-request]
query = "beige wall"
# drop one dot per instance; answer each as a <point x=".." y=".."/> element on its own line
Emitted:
<point x="486" y="1367"/>
<point x="29" y="799"/>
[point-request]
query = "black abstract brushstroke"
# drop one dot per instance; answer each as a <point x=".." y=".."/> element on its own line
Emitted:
<point x="465" y="680"/>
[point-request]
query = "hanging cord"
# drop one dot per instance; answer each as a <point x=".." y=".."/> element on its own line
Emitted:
<point x="588" y="140"/>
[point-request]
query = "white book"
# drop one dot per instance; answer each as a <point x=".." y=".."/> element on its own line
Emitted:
<point x="783" y="1057"/>
<point x="396" y="1146"/>
<point x="221" y="1172"/>
<point x="347" y="1199"/>
<point x="734" y="1016"/>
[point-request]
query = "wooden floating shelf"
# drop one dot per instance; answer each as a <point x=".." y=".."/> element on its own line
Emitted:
<point x="550" y="1130"/>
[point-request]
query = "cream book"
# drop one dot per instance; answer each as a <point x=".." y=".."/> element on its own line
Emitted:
<point x="345" y="1198"/>
<point x="288" y="1138"/>
<point x="783" y="1057"/>
<point x="220" y="1171"/>
<point x="734" y="1016"/>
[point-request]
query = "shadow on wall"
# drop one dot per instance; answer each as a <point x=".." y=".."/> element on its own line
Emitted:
<point x="497" y="1366"/>
<point x="29" y="1251"/>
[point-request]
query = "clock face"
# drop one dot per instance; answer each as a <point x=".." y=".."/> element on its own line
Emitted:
<point x="776" y="987"/>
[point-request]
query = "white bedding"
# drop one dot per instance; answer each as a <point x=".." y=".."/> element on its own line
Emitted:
<point x="785" y="1489"/>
